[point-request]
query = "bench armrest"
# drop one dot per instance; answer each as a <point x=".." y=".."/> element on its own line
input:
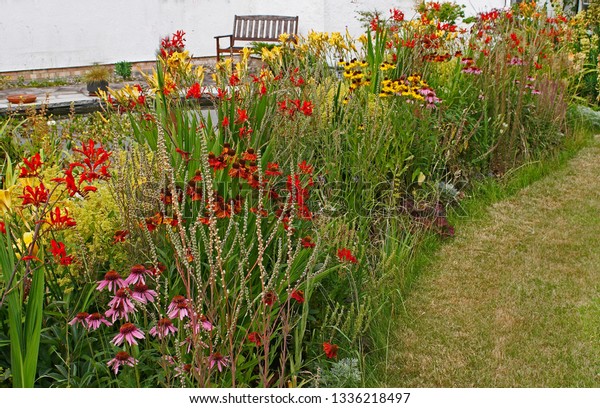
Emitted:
<point x="223" y="36"/>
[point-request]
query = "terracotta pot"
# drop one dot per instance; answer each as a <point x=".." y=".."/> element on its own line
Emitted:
<point x="95" y="86"/>
<point x="21" y="98"/>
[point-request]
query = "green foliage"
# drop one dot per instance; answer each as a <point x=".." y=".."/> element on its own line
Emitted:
<point x="123" y="69"/>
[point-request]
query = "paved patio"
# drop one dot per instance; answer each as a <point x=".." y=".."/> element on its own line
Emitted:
<point x="61" y="99"/>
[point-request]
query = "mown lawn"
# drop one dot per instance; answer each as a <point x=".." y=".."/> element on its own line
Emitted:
<point x="514" y="300"/>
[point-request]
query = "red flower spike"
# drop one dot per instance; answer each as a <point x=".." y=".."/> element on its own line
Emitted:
<point x="307" y="242"/>
<point x="298" y="296"/>
<point x="35" y="196"/>
<point x="2" y="227"/>
<point x="345" y="255"/>
<point x="120" y="236"/>
<point x="194" y="91"/>
<point x="59" y="221"/>
<point x="330" y="350"/>
<point x="31" y="166"/>
<point x="254" y="337"/>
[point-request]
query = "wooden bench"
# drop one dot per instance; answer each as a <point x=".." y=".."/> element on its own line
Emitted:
<point x="257" y="28"/>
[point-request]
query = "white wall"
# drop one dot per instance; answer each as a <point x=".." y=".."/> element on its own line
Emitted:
<point x="37" y="34"/>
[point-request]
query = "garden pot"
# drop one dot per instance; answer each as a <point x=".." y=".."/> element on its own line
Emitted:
<point x="21" y="98"/>
<point x="95" y="86"/>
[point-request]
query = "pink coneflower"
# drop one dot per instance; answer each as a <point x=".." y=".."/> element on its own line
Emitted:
<point x="94" y="321"/>
<point x="128" y="332"/>
<point x="178" y="308"/>
<point x="137" y="275"/>
<point x="118" y="312"/>
<point x="112" y="280"/>
<point x="121" y="359"/>
<point x="121" y="299"/>
<point x="206" y="324"/>
<point x="535" y="92"/>
<point x="219" y="360"/>
<point x="80" y="318"/>
<point x="142" y="294"/>
<point x="515" y="61"/>
<point x="472" y="69"/>
<point x="163" y="328"/>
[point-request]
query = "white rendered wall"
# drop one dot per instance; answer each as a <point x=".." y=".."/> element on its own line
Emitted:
<point x="37" y="34"/>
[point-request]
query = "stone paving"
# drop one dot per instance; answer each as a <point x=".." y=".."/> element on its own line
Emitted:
<point x="61" y="99"/>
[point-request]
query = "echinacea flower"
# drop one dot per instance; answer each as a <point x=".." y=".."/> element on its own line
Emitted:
<point x="219" y="360"/>
<point x="118" y="312"/>
<point x="178" y="308"/>
<point x="122" y="300"/>
<point x="128" y="332"/>
<point x="142" y="294"/>
<point x="122" y="358"/>
<point x="163" y="328"/>
<point x="330" y="350"/>
<point x="137" y="275"/>
<point x="94" y="321"/>
<point x="80" y="318"/>
<point x="112" y="280"/>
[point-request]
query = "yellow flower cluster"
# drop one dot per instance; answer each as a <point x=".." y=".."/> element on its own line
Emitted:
<point x="354" y="71"/>
<point x="408" y="87"/>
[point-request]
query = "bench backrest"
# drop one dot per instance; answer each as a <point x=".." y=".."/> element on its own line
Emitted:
<point x="263" y="28"/>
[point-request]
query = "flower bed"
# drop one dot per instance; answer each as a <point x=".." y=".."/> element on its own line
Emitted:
<point x="160" y="248"/>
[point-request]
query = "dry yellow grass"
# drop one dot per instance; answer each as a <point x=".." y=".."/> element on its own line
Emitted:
<point x="514" y="300"/>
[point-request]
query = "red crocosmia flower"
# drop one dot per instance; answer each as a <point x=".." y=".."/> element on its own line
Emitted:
<point x="307" y="242"/>
<point x="58" y="249"/>
<point x="273" y="170"/>
<point x="397" y="15"/>
<point x="538" y="66"/>
<point x="35" y="195"/>
<point x="194" y="91"/>
<point x="298" y="295"/>
<point x="242" y="116"/>
<point x="221" y="93"/>
<point x="245" y="131"/>
<point x="345" y="255"/>
<point x="234" y="80"/>
<point x="305" y="168"/>
<point x="225" y="122"/>
<point x="2" y="227"/>
<point x="374" y="23"/>
<point x="120" y="236"/>
<point x="254" y="337"/>
<point x="31" y="166"/>
<point x="307" y="108"/>
<point x="269" y="298"/>
<point x="60" y="221"/>
<point x="330" y="350"/>
<point x="184" y="155"/>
